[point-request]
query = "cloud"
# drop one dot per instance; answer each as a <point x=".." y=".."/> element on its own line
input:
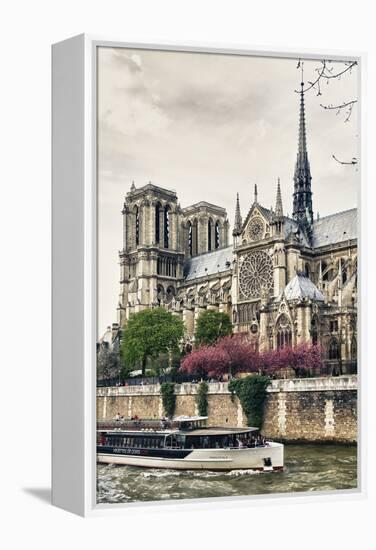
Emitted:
<point x="209" y="125"/>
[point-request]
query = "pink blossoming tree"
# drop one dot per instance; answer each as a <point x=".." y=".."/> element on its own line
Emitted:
<point x="234" y="354"/>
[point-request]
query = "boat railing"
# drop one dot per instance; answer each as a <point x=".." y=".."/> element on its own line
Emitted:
<point x="137" y="424"/>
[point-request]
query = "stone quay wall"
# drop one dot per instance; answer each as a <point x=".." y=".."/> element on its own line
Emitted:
<point x="300" y="409"/>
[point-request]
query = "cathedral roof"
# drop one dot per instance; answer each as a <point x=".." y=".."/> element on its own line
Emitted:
<point x="203" y="204"/>
<point x="209" y="263"/>
<point x="292" y="227"/>
<point x="335" y="228"/>
<point x="301" y="287"/>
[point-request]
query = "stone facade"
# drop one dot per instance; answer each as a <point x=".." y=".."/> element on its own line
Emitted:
<point x="283" y="280"/>
<point x="307" y="410"/>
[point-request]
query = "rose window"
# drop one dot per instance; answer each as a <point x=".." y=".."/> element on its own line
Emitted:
<point x="256" y="274"/>
<point x="256" y="229"/>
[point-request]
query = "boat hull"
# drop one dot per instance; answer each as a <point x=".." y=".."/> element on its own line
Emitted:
<point x="263" y="458"/>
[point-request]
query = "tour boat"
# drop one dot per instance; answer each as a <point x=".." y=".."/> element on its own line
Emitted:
<point x="186" y="444"/>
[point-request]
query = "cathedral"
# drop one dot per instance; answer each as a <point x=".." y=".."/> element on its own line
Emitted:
<point x="282" y="280"/>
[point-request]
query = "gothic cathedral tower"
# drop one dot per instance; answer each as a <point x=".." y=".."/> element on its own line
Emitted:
<point x="151" y="262"/>
<point x="302" y="206"/>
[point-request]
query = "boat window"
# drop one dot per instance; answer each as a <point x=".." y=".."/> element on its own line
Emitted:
<point x="267" y="461"/>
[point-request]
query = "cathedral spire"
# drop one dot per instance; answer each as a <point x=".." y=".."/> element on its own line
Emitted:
<point x="255" y="200"/>
<point x="238" y="218"/>
<point x="302" y="209"/>
<point x="278" y="202"/>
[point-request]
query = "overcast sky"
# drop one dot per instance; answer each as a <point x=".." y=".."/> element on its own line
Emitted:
<point x="207" y="126"/>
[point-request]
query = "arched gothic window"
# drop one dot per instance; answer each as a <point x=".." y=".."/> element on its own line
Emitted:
<point x="157" y="223"/>
<point x="210" y="226"/>
<point x="166" y="266"/>
<point x="354" y="349"/>
<point x="344" y="265"/>
<point x="248" y="312"/>
<point x="194" y="237"/>
<point x="137" y="225"/>
<point x="284" y="332"/>
<point x="314" y="331"/>
<point x="166" y="226"/>
<point x="217" y="237"/>
<point x="160" y="294"/>
<point x="170" y="293"/>
<point x="190" y="238"/>
<point x="334" y="351"/>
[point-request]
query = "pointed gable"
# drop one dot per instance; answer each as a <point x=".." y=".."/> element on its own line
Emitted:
<point x="257" y="215"/>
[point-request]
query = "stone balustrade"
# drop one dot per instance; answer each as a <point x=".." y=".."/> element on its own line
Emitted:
<point x="330" y="383"/>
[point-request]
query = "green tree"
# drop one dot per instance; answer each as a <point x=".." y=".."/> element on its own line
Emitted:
<point x="108" y="363"/>
<point x="212" y="325"/>
<point x="168" y="398"/>
<point x="149" y="333"/>
<point x="251" y="392"/>
<point x="202" y="399"/>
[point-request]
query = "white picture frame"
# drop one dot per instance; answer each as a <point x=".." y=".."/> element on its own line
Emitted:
<point x="74" y="260"/>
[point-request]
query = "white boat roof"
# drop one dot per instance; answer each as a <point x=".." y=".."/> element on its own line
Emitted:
<point x="183" y="418"/>
<point x="219" y="431"/>
<point x="195" y="432"/>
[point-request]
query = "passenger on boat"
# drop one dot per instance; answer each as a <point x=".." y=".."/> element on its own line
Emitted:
<point x="163" y="423"/>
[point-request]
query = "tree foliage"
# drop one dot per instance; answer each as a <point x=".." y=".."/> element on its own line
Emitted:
<point x="234" y="354"/>
<point x="168" y="398"/>
<point x="211" y="326"/>
<point x="108" y="363"/>
<point x="303" y="359"/>
<point x="231" y="354"/>
<point x="251" y="392"/>
<point x="149" y="333"/>
<point x="202" y="398"/>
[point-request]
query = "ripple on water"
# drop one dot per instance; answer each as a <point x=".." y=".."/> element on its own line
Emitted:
<point x="307" y="468"/>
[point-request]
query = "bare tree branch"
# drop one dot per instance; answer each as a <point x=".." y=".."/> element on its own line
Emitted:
<point x="352" y="162"/>
<point x="349" y="104"/>
<point x="325" y="73"/>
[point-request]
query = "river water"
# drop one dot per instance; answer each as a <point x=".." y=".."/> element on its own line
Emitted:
<point x="307" y="468"/>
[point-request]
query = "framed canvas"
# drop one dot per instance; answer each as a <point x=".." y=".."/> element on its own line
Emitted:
<point x="208" y="260"/>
